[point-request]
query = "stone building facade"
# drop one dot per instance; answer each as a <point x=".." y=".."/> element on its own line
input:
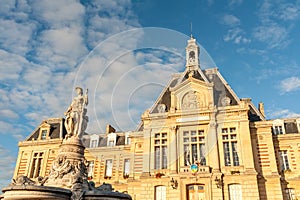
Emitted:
<point x="198" y="141"/>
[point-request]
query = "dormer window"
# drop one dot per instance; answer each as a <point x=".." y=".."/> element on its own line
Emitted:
<point x="278" y="127"/>
<point x="44" y="135"/>
<point x="111" y="139"/>
<point x="277" y="130"/>
<point x="44" y="131"/>
<point x="94" y="141"/>
<point x="127" y="139"/>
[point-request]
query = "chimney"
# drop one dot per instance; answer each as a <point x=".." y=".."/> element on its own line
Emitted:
<point x="110" y="129"/>
<point x="261" y="108"/>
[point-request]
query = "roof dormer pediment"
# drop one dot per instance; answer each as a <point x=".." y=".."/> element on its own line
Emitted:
<point x="192" y="94"/>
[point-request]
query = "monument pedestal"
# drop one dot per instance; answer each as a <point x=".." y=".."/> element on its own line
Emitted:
<point x="69" y="167"/>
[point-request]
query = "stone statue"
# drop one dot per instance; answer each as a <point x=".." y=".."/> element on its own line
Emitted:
<point x="76" y="119"/>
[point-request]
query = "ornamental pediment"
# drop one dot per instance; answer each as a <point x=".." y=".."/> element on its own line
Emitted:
<point x="192" y="95"/>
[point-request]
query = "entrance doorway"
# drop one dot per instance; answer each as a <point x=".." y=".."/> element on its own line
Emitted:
<point x="195" y="192"/>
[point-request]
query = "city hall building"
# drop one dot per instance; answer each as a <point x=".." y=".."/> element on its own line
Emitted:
<point x="199" y="141"/>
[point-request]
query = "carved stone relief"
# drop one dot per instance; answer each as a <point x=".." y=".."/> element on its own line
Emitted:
<point x="191" y="100"/>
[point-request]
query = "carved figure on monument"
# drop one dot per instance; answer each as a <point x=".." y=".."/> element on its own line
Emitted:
<point x="60" y="167"/>
<point x="22" y="180"/>
<point x="190" y="101"/>
<point x="76" y="119"/>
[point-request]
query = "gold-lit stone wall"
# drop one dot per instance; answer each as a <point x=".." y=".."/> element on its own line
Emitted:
<point x="197" y="121"/>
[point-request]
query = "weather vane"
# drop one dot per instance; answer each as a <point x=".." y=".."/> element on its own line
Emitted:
<point x="191" y="29"/>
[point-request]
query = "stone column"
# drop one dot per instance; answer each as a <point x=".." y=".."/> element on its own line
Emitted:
<point x="173" y="151"/>
<point x="212" y="147"/>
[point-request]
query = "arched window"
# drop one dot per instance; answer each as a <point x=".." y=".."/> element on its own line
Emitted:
<point x="235" y="192"/>
<point x="195" y="192"/>
<point x="160" y="192"/>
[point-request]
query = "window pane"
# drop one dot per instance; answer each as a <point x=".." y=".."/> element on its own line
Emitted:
<point x="187" y="160"/>
<point x="44" y="134"/>
<point x="194" y="153"/>
<point x="157" y="157"/>
<point x="226" y="153"/>
<point x="185" y="133"/>
<point x="233" y="137"/>
<point x="193" y="132"/>
<point x="232" y="130"/>
<point x="284" y="160"/>
<point x="201" y="132"/>
<point x="91" y="169"/>
<point x="225" y="137"/>
<point x="126" y="166"/>
<point x="108" y="171"/>
<point x="224" y="130"/>
<point x="235" y="154"/>
<point x="164" y="157"/>
<point x="202" y="154"/>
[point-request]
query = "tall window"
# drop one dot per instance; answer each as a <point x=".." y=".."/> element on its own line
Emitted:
<point x="91" y="169"/>
<point x="230" y="147"/>
<point x="126" y="167"/>
<point x="235" y="192"/>
<point x="194" y="147"/>
<point x="108" y="168"/>
<point x="160" y="193"/>
<point x="284" y="160"/>
<point x="277" y="130"/>
<point x="36" y="165"/>
<point x="290" y="193"/>
<point x="160" y="151"/>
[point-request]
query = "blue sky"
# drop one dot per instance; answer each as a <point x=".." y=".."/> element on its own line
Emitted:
<point x="48" y="47"/>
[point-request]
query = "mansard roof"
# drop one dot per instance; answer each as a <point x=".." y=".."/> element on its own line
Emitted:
<point x="209" y="76"/>
<point x="56" y="128"/>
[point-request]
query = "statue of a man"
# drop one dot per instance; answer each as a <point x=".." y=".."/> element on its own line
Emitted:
<point x="76" y="119"/>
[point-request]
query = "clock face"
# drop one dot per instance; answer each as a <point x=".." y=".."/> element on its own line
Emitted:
<point x="192" y="56"/>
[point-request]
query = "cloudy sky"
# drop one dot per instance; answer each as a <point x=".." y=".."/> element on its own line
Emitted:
<point x="124" y="52"/>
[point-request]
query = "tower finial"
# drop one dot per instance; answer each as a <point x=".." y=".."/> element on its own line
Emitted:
<point x="191" y="29"/>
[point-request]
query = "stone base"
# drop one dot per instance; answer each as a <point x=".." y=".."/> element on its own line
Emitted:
<point x="33" y="192"/>
<point x="69" y="167"/>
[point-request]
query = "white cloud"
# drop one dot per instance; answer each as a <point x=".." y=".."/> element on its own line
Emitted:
<point x="290" y="84"/>
<point x="58" y="14"/>
<point x="277" y="19"/>
<point x="289" y="11"/>
<point x="11" y="66"/>
<point x="7" y="164"/>
<point x="232" y="3"/>
<point x="10" y="114"/>
<point x="15" y="36"/>
<point x="230" y="20"/>
<point x="236" y="35"/>
<point x="272" y="34"/>
<point x="282" y="113"/>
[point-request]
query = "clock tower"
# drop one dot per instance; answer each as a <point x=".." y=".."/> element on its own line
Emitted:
<point x="192" y="54"/>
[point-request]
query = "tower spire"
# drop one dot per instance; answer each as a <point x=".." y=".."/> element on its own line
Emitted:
<point x="191" y="26"/>
<point x="192" y="54"/>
